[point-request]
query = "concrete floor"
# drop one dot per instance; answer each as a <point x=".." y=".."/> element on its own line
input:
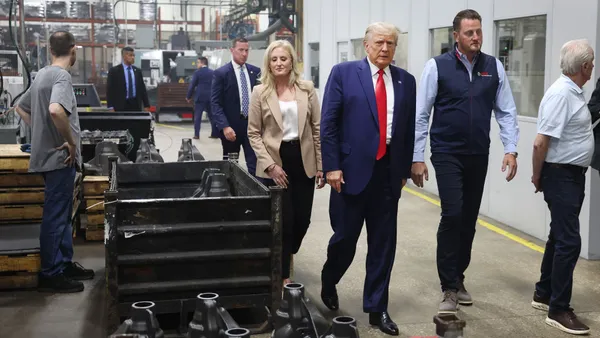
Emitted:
<point x="500" y="278"/>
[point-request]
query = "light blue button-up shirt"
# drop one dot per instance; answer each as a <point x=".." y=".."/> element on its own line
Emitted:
<point x="126" y="71"/>
<point x="504" y="107"/>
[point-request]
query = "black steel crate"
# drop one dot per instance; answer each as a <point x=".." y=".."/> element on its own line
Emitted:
<point x="166" y="247"/>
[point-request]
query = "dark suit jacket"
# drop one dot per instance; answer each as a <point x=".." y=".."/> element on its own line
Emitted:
<point x="594" y="107"/>
<point x="350" y="125"/>
<point x="225" y="98"/>
<point x="201" y="83"/>
<point x="116" y="88"/>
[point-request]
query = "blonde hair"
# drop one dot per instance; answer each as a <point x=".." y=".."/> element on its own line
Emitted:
<point x="267" y="79"/>
<point x="383" y="28"/>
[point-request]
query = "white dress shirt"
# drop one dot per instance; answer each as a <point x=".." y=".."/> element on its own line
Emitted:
<point x="289" y="114"/>
<point x="389" y="90"/>
<point x="236" y="69"/>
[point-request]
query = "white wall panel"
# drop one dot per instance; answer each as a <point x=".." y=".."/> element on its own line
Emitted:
<point x="442" y="12"/>
<point x="359" y="17"/>
<point x="506" y="9"/>
<point x="376" y="10"/>
<point x="398" y="13"/>
<point x="328" y="43"/>
<point x="342" y="20"/>
<point x="312" y="21"/>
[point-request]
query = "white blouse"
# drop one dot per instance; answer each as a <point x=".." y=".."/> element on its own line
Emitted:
<point x="289" y="112"/>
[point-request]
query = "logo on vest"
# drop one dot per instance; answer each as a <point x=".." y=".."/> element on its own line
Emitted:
<point x="486" y="74"/>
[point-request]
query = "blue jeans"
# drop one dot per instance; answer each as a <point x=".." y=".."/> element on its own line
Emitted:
<point x="564" y="192"/>
<point x="56" y="233"/>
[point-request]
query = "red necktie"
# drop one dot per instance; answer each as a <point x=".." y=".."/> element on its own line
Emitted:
<point x="381" y="97"/>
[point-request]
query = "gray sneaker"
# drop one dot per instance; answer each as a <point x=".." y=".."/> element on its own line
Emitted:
<point x="449" y="303"/>
<point x="464" y="298"/>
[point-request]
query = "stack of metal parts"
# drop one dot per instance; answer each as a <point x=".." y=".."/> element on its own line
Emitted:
<point x="32" y="11"/>
<point x="56" y="9"/>
<point x="103" y="10"/>
<point x="148" y="153"/>
<point x="99" y="165"/>
<point x="79" y="9"/>
<point x="188" y="152"/>
<point x="147" y="11"/>
<point x="210" y="320"/>
<point x="164" y="246"/>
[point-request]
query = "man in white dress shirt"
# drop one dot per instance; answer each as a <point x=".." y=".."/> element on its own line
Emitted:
<point x="562" y="152"/>
<point x="230" y="100"/>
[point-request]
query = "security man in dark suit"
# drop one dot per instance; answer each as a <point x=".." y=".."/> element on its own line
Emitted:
<point x="230" y="99"/>
<point x="201" y="84"/>
<point x="125" y="88"/>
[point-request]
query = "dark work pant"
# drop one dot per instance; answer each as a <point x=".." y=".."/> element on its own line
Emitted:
<point x="132" y="105"/>
<point x="564" y="191"/>
<point x="297" y="203"/>
<point x="379" y="208"/>
<point x="460" y="180"/>
<point x="199" y="108"/>
<point x="56" y="234"/>
<point x="241" y="140"/>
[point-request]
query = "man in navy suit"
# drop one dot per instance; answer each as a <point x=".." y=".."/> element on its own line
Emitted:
<point x="367" y="139"/>
<point x="230" y="99"/>
<point x="201" y="83"/>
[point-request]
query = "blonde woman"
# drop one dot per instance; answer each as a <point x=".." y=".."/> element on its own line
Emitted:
<point x="283" y="130"/>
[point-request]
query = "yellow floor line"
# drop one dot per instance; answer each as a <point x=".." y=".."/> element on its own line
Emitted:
<point x="172" y="127"/>
<point x="485" y="224"/>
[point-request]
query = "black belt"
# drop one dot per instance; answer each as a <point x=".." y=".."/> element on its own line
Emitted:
<point x="292" y="142"/>
<point x="572" y="167"/>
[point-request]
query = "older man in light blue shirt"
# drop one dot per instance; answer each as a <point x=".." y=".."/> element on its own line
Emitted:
<point x="463" y="87"/>
<point x="562" y="152"/>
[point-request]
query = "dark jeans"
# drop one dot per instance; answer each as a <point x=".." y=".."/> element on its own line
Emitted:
<point x="199" y="108"/>
<point x="564" y="191"/>
<point x="234" y="147"/>
<point x="56" y="233"/>
<point x="297" y="203"/>
<point x="460" y="180"/>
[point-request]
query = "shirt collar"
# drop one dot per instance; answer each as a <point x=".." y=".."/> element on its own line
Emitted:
<point x="567" y="80"/>
<point x="236" y="66"/>
<point x="375" y="69"/>
<point x="126" y="66"/>
<point x="463" y="56"/>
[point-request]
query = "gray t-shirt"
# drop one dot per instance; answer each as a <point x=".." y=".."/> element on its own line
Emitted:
<point x="52" y="84"/>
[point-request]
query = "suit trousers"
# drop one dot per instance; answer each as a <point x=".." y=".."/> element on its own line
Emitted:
<point x="564" y="192"/>
<point x="56" y="233"/>
<point x="379" y="208"/>
<point x="241" y="141"/>
<point x="460" y="180"/>
<point x="132" y="105"/>
<point x="199" y="108"/>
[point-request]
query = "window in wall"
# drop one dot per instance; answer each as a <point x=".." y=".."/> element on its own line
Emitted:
<point x="358" y="49"/>
<point x="521" y="47"/>
<point x="342" y="52"/>
<point x="314" y="63"/>
<point x="442" y="41"/>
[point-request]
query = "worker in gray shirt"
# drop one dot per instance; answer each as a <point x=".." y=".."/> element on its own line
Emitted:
<point x="50" y="108"/>
<point x="562" y="153"/>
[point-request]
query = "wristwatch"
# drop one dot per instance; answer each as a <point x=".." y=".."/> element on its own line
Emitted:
<point x="514" y="153"/>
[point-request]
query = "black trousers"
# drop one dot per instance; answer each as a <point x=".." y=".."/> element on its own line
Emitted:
<point x="297" y="202"/>
<point x="132" y="105"/>
<point x="460" y="179"/>
<point x="564" y="192"/>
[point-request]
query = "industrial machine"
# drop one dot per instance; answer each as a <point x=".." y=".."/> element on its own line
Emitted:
<point x="86" y="95"/>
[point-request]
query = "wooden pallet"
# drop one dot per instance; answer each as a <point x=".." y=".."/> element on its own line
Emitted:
<point x="12" y="159"/>
<point x="19" y="271"/>
<point x="95" y="185"/>
<point x="33" y="195"/>
<point x="21" y="180"/>
<point x="94" y="234"/>
<point x="21" y="212"/>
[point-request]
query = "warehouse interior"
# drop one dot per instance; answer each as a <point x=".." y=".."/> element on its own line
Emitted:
<point x="176" y="251"/>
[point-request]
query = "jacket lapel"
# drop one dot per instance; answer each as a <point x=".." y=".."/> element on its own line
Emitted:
<point x="273" y="103"/>
<point x="233" y="84"/>
<point x="302" y="101"/>
<point x="366" y="80"/>
<point x="398" y="96"/>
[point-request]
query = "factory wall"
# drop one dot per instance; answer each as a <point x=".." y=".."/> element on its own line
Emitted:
<point x="532" y="31"/>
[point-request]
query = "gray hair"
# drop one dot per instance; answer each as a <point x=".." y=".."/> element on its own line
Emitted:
<point x="574" y="54"/>
<point x="383" y="28"/>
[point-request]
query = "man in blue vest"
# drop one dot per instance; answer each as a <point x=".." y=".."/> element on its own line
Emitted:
<point x="463" y="86"/>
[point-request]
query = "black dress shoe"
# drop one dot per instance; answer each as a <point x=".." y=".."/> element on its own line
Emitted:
<point x="384" y="322"/>
<point x="329" y="297"/>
